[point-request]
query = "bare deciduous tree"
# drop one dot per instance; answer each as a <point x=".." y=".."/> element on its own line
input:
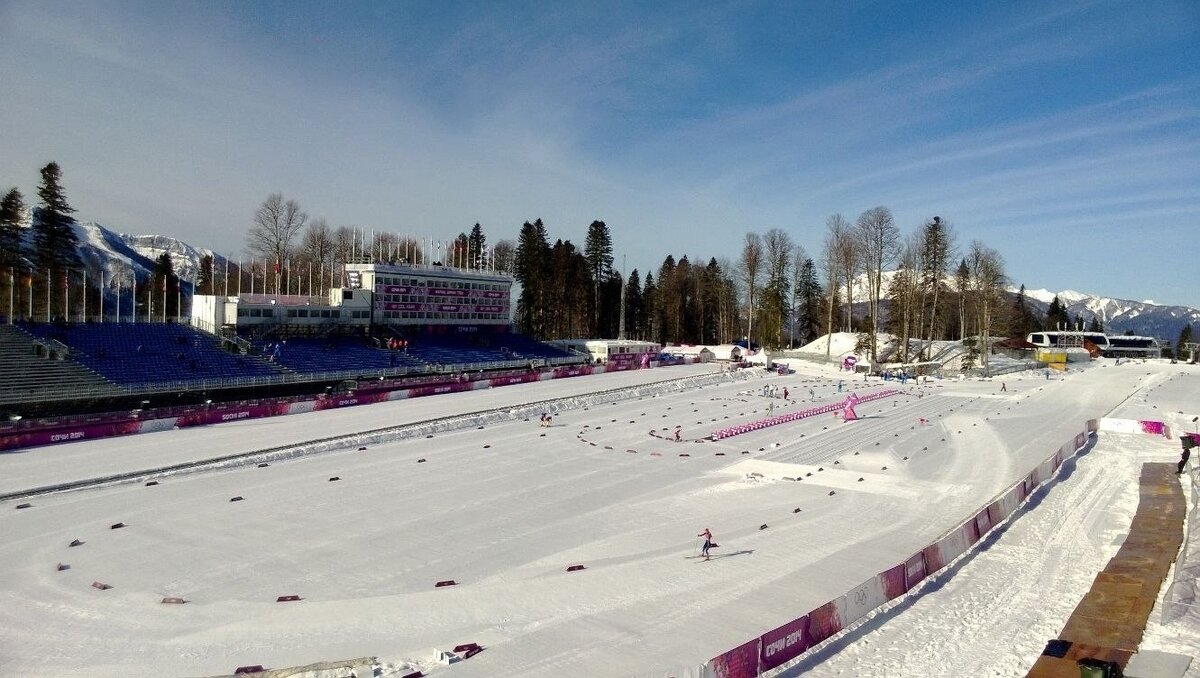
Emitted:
<point x="276" y="224"/>
<point x="750" y="267"/>
<point x="777" y="250"/>
<point x="502" y="256"/>
<point x="880" y="242"/>
<point x="987" y="283"/>
<point x="831" y="267"/>
<point x="846" y="252"/>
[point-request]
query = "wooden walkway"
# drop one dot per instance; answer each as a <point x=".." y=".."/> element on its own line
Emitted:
<point x="1108" y="623"/>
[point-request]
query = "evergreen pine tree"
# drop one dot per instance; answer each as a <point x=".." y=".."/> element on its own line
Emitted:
<point x="1185" y="337"/>
<point x="12" y="208"/>
<point x="477" y="243"/>
<point x="1023" y="321"/>
<point x="810" y="294"/>
<point x="204" y="279"/>
<point x="531" y="267"/>
<point x="649" y="311"/>
<point x="166" y="284"/>
<point x="54" y="234"/>
<point x="597" y="249"/>
<point x="633" y="306"/>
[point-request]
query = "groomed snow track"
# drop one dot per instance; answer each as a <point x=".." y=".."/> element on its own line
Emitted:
<point x="425" y="428"/>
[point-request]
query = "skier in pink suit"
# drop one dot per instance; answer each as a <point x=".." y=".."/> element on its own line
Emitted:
<point x="707" y="542"/>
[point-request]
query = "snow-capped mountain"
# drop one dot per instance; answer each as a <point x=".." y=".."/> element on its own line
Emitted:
<point x="122" y="256"/>
<point x="1118" y="316"/>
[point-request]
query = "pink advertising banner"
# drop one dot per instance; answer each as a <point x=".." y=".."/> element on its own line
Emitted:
<point x="351" y="400"/>
<point x="784" y="644"/>
<point x="220" y="415"/>
<point x="914" y="570"/>
<point x="893" y="581"/>
<point x="64" y="435"/>
<point x="823" y="622"/>
<point x="1153" y="427"/>
<point x="440" y="292"/>
<point x="740" y="662"/>
<point x="983" y="522"/>
<point x="393" y="289"/>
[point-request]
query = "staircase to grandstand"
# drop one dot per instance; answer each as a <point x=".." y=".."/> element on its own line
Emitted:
<point x="36" y="369"/>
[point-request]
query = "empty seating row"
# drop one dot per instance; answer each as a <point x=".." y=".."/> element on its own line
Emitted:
<point x="334" y="354"/>
<point x="146" y="353"/>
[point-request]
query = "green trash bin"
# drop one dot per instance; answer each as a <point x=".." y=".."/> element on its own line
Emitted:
<point x="1096" y="668"/>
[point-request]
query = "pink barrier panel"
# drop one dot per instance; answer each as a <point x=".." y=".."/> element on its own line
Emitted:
<point x="740" y="662"/>
<point x="351" y="400"/>
<point x="983" y="522"/>
<point x="950" y="546"/>
<point x="789" y="641"/>
<point x="794" y="416"/>
<point x="893" y="582"/>
<point x="914" y="570"/>
<point x="1007" y="503"/>
<point x="1153" y="427"/>
<point x="784" y="644"/>
<point x="219" y="415"/>
<point x="823" y="622"/>
<point x="63" y="435"/>
<point x="1080" y="440"/>
<point x="862" y="599"/>
<point x="1093" y="425"/>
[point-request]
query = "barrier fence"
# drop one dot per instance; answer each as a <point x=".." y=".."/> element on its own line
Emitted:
<point x="850" y="401"/>
<point x="789" y="641"/>
<point x="148" y="421"/>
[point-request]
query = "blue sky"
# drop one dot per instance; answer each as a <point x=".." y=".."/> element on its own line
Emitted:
<point x="1065" y="135"/>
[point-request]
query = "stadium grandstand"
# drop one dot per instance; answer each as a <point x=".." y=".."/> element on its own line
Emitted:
<point x="387" y="325"/>
<point x="1109" y="346"/>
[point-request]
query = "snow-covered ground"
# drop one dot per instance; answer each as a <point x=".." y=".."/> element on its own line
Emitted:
<point x="503" y="507"/>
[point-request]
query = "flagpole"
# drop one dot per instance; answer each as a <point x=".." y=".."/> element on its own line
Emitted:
<point x="239" y="287"/>
<point x="226" y="276"/>
<point x="12" y="284"/>
<point x="102" y="296"/>
<point x="67" y="295"/>
<point x="133" y="305"/>
<point x="49" y="286"/>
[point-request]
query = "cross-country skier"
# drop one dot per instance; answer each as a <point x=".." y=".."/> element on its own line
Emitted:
<point x="707" y="542"/>
<point x="678" y="433"/>
<point x="785" y="393"/>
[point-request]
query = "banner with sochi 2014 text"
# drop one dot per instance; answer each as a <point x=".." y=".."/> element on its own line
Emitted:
<point x="783" y="644"/>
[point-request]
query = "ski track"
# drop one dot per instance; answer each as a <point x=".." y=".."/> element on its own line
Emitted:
<point x="503" y="510"/>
